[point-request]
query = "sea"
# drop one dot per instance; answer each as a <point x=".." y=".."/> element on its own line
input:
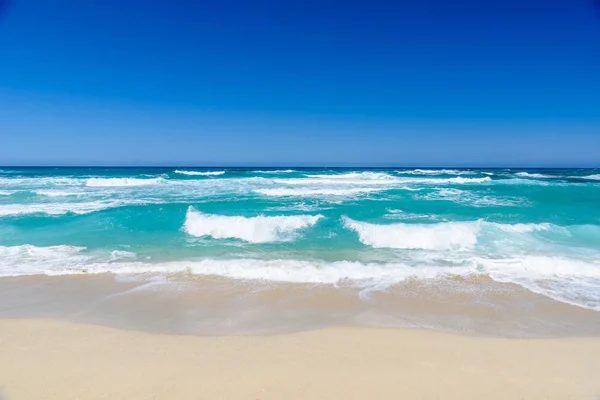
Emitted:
<point x="513" y="252"/>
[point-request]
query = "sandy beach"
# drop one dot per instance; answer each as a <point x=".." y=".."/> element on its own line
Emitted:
<point x="50" y="359"/>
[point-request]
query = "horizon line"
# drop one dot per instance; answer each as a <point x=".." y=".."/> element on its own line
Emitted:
<point x="298" y="166"/>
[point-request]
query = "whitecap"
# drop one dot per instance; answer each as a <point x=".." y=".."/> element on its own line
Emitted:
<point x="65" y="208"/>
<point x="435" y="172"/>
<point x="275" y="171"/>
<point x="259" y="229"/>
<point x="117" y="182"/>
<point x="200" y="173"/>
<point x="440" y="236"/>
<point x="310" y="192"/>
<point x="530" y="175"/>
<point x="595" y="177"/>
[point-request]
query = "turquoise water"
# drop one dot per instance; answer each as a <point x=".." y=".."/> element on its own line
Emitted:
<point x="372" y="228"/>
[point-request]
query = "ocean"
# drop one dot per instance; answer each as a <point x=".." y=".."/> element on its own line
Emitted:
<point x="277" y="240"/>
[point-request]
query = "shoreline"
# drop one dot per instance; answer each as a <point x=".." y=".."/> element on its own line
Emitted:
<point x="50" y="359"/>
<point x="213" y="306"/>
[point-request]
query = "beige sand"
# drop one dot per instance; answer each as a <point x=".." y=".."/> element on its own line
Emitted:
<point x="46" y="359"/>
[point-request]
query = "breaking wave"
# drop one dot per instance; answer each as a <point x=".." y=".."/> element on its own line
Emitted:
<point x="200" y="173"/>
<point x="441" y="236"/>
<point x="309" y="192"/>
<point x="259" y="229"/>
<point x="118" y="182"/>
<point x="436" y="236"/>
<point x="573" y="281"/>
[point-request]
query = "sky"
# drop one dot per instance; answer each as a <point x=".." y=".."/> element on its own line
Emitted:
<point x="315" y="83"/>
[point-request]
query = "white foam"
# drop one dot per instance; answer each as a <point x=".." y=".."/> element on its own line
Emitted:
<point x="56" y="193"/>
<point x="461" y="180"/>
<point x="65" y="208"/>
<point x="275" y="171"/>
<point x="36" y="182"/>
<point x="573" y="281"/>
<point x="310" y="192"/>
<point x="27" y="259"/>
<point x="112" y="182"/>
<point x="120" y="254"/>
<point x="529" y="175"/>
<point x="595" y="177"/>
<point x="473" y="199"/>
<point x="523" y="228"/>
<point x="259" y="229"/>
<point x="319" y="182"/>
<point x="436" y="172"/>
<point x="200" y="173"/>
<point x="301" y="206"/>
<point x="440" y="236"/>
<point x="361" y="176"/>
<point x="7" y="192"/>
<point x="399" y="214"/>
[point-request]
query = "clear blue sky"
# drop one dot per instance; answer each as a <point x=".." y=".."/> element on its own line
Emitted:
<point x="406" y="82"/>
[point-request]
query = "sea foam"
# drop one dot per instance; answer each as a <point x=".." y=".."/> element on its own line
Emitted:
<point x="259" y="229"/>
<point x="312" y="192"/>
<point x="595" y="177"/>
<point x="117" y="182"/>
<point x="200" y="173"/>
<point x="441" y="236"/>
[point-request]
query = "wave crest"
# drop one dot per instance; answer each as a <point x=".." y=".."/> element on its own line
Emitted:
<point x="117" y="182"/>
<point x="259" y="229"/>
<point x="441" y="236"/>
<point x="200" y="173"/>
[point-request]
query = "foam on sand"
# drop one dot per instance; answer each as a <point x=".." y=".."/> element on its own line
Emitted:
<point x="259" y="229"/>
<point x="32" y="260"/>
<point x="571" y="280"/>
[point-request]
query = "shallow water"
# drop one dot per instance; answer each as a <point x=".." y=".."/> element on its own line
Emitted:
<point x="366" y="236"/>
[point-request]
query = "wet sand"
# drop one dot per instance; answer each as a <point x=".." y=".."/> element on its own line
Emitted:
<point x="216" y="306"/>
<point x="58" y="360"/>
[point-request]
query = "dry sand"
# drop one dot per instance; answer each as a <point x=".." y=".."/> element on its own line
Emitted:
<point x="49" y="359"/>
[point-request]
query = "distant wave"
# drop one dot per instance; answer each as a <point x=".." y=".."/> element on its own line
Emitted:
<point x="65" y="208"/>
<point x="473" y="199"/>
<point x="200" y="173"/>
<point x="529" y="175"/>
<point x="117" y="182"/>
<point x="260" y="229"/>
<point x="275" y="171"/>
<point x="56" y="193"/>
<point x="467" y="180"/>
<point x="362" y="176"/>
<point x="595" y="177"/>
<point x="35" y="181"/>
<point x="309" y="192"/>
<point x="435" y="172"/>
